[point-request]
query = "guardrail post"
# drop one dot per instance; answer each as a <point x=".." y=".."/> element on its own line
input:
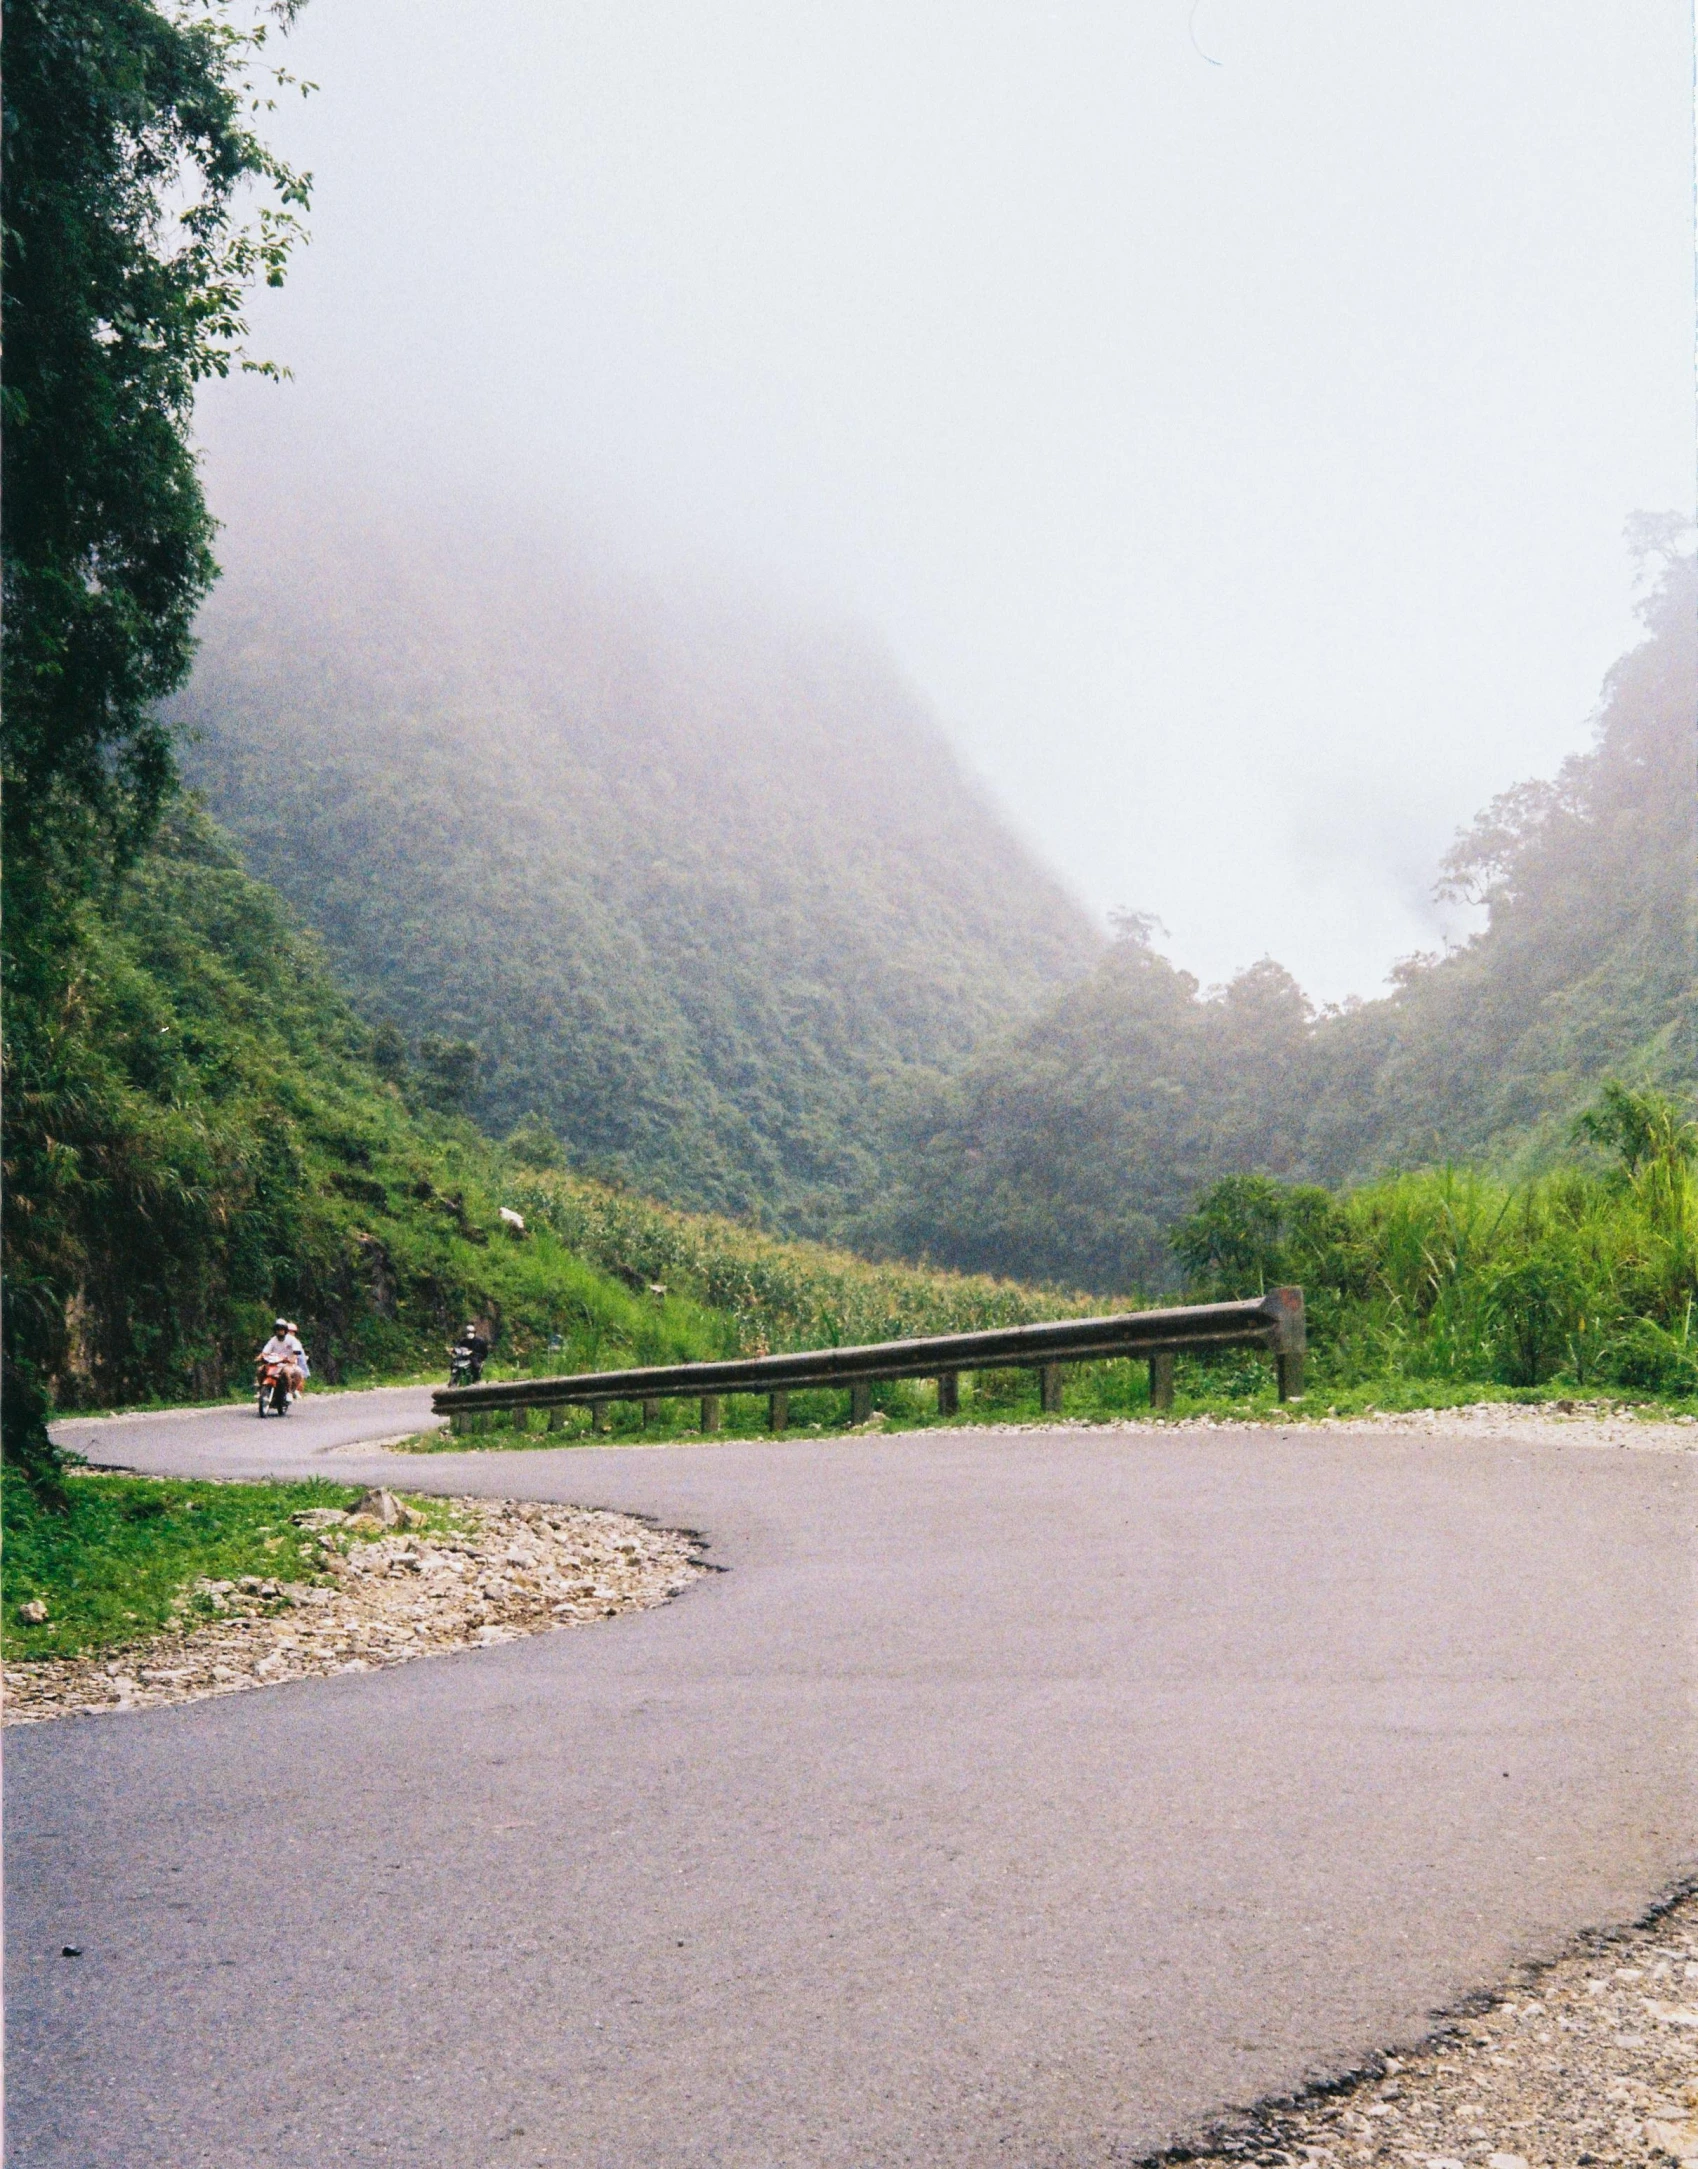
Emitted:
<point x="1161" y="1379"/>
<point x="599" y="1420"/>
<point x="1290" y="1340"/>
<point x="949" y="1393"/>
<point x="651" y="1413"/>
<point x="777" y="1411"/>
<point x="860" y="1400"/>
<point x="1049" y="1388"/>
<point x="457" y="1425"/>
<point x="710" y="1411"/>
<point x="556" y="1417"/>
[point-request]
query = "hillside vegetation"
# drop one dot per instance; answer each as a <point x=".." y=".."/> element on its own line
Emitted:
<point x="1586" y="1273"/>
<point x="228" y="1138"/>
<point x="695" y="890"/>
<point x="1068" y="1146"/>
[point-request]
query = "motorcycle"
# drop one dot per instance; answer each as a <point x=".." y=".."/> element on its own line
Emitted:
<point x="273" y="1388"/>
<point x="465" y="1364"/>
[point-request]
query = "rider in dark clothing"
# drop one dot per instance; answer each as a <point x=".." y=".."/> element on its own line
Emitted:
<point x="476" y="1350"/>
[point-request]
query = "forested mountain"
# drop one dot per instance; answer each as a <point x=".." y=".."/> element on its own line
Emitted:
<point x="1067" y="1148"/>
<point x="1588" y="963"/>
<point x="722" y="910"/>
<point x="695" y="888"/>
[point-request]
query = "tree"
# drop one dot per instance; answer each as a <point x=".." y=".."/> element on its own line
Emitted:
<point x="1642" y="1127"/>
<point x="129" y="140"/>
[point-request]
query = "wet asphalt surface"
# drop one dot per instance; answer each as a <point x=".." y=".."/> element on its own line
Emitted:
<point x="1019" y="1798"/>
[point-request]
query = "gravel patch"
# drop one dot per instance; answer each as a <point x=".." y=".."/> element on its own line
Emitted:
<point x="496" y="1571"/>
<point x="1549" y="1423"/>
<point x="1593" y="2059"/>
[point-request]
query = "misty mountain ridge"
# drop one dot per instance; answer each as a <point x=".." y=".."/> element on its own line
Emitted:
<point x="697" y="887"/>
<point x="715" y="899"/>
<point x="1066" y="1149"/>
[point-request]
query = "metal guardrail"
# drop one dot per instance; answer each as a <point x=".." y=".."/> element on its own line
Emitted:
<point x="1273" y="1321"/>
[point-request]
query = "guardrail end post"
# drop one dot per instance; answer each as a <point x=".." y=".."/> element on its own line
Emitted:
<point x="777" y="1411"/>
<point x="710" y="1411"/>
<point x="949" y="1393"/>
<point x="1161" y="1379"/>
<point x="1049" y="1388"/>
<point x="860" y="1400"/>
<point x="456" y="1424"/>
<point x="1290" y="1339"/>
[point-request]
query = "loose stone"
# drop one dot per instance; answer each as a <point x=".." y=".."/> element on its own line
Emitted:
<point x="495" y="1574"/>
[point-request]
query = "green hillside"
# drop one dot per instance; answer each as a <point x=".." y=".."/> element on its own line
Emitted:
<point x="1068" y="1147"/>
<point x="222" y="1136"/>
<point x="230" y="1138"/>
<point x="696" y="889"/>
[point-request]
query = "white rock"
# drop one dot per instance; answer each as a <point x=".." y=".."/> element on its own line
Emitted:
<point x="1506" y="2161"/>
<point x="34" y="1612"/>
<point x="1680" y="2140"/>
<point x="381" y="1505"/>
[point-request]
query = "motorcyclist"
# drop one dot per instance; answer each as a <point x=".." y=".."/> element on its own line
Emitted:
<point x="472" y="1348"/>
<point x="284" y="1348"/>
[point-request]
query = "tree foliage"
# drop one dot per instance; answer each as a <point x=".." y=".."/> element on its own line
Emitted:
<point x="129" y="138"/>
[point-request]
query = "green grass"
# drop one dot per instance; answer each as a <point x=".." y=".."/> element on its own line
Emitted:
<point x="1237" y="1387"/>
<point x="115" y="1567"/>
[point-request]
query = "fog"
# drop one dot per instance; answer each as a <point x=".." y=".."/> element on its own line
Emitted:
<point x="1227" y="416"/>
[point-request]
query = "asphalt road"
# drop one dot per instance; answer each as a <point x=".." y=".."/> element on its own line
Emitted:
<point x="1016" y="1799"/>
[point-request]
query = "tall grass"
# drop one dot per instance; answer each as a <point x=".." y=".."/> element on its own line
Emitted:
<point x="1586" y="1275"/>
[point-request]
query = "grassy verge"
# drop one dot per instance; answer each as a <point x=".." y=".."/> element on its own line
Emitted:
<point x="118" y="1565"/>
<point x="1241" y="1390"/>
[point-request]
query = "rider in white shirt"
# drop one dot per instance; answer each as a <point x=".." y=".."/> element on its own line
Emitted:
<point x="284" y="1348"/>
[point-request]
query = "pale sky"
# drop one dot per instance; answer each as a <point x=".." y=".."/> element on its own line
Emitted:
<point x="1227" y="417"/>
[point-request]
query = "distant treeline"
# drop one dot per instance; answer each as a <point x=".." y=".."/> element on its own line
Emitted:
<point x="1068" y="1147"/>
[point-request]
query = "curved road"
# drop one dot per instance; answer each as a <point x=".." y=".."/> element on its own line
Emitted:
<point x="1011" y="1798"/>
